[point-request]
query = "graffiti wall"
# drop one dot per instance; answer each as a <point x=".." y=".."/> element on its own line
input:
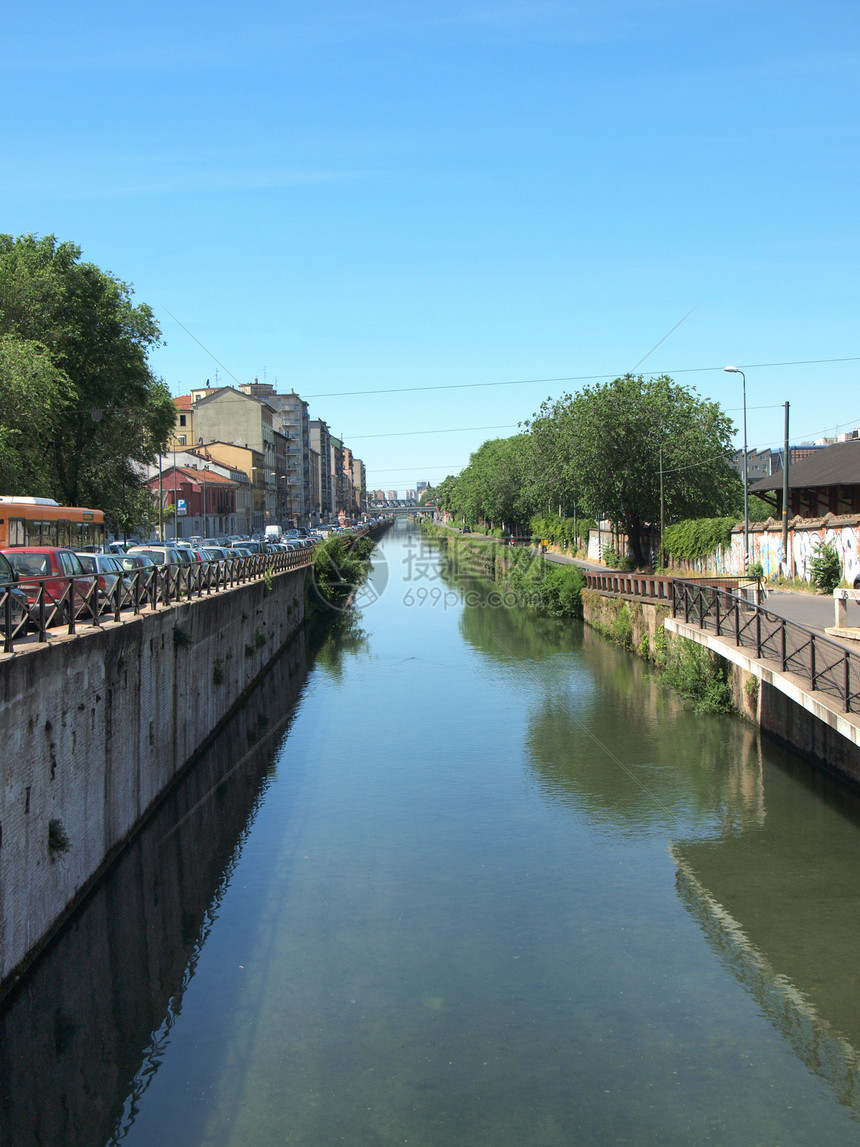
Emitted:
<point x="804" y="538"/>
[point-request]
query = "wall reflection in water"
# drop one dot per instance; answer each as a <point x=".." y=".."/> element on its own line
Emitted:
<point x="769" y="874"/>
<point x="780" y="905"/>
<point x="104" y="996"/>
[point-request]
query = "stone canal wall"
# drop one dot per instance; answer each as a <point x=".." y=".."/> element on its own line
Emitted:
<point x="94" y="728"/>
<point x="807" y="722"/>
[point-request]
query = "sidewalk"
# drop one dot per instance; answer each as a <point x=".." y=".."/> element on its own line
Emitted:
<point x="809" y="609"/>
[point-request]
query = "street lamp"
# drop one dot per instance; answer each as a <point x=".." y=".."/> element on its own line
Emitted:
<point x="736" y="370"/>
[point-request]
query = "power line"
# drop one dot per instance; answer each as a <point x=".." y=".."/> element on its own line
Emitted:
<point x="570" y="378"/>
<point x="200" y="344"/>
<point x="663" y="339"/>
<point x="409" y="433"/>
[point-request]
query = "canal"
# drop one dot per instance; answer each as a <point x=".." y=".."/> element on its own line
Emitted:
<point x="459" y="876"/>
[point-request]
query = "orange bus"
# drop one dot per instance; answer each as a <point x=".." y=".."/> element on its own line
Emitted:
<point x="42" y="522"/>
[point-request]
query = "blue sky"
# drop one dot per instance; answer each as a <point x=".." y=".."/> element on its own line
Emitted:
<point x="346" y="198"/>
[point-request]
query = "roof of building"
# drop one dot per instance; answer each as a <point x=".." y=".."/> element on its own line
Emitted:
<point x="202" y="449"/>
<point x="203" y="476"/>
<point x="837" y="465"/>
<point x="230" y="391"/>
<point x="182" y="402"/>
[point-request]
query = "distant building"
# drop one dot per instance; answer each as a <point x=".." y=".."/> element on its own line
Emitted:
<point x="227" y="415"/>
<point x="758" y="464"/>
<point x="359" y="485"/>
<point x="323" y="504"/>
<point x="250" y="463"/>
<point x="795" y="454"/>
<point x="199" y="500"/>
<point x="827" y="482"/>
<point x="291" y="420"/>
<point x="183" y="430"/>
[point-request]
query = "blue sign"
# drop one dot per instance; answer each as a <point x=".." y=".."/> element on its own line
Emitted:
<point x="180" y="506"/>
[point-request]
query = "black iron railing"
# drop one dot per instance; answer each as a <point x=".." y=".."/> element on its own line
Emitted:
<point x="37" y="604"/>
<point x="737" y="614"/>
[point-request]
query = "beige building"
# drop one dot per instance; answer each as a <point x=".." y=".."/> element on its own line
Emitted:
<point x="250" y="463"/>
<point x="226" y="415"/>
<point x="183" y="430"/>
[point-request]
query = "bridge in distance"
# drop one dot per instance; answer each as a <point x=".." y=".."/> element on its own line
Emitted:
<point x="400" y="507"/>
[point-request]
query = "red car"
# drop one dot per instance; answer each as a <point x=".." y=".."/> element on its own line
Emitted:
<point x="54" y="568"/>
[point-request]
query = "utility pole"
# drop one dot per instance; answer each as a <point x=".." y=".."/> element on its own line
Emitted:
<point x="785" y="488"/>
<point x="663" y="560"/>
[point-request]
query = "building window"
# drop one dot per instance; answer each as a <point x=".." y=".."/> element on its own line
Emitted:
<point x="181" y="419"/>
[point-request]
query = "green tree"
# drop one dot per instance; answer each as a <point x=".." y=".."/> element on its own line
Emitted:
<point x="607" y="442"/>
<point x="32" y="392"/>
<point x="495" y="487"/>
<point x="74" y="362"/>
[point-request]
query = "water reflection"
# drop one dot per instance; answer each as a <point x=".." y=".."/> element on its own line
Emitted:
<point x="91" y="1020"/>
<point x="781" y="905"/>
<point x="634" y="771"/>
<point x="768" y="876"/>
<point x="504" y="634"/>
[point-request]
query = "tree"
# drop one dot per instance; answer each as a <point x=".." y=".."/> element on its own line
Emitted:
<point x="32" y="391"/>
<point x="607" y="442"/>
<point x="494" y="487"/>
<point x="74" y="363"/>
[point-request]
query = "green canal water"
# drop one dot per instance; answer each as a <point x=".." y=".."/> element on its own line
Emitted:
<point x="458" y="876"/>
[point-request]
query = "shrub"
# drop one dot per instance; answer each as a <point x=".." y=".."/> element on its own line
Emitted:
<point x="614" y="559"/>
<point x="622" y="627"/>
<point x="698" y="675"/>
<point x="825" y="570"/>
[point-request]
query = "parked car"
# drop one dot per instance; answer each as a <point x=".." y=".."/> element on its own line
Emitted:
<point x="108" y="572"/>
<point x="139" y="569"/>
<point x="52" y="567"/>
<point x="162" y="555"/>
<point x="18" y="606"/>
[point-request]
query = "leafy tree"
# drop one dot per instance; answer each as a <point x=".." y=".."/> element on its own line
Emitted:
<point x="74" y="364"/>
<point x="32" y="389"/>
<point x="607" y="440"/>
<point x="494" y="487"/>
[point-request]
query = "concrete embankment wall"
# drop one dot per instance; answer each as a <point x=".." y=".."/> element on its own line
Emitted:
<point x="93" y="728"/>
<point x="807" y="722"/>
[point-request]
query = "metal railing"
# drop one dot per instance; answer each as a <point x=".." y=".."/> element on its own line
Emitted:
<point x="73" y="601"/>
<point x="823" y="665"/>
<point x="659" y="586"/>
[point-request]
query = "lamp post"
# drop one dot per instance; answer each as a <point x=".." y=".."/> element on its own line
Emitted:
<point x="284" y="502"/>
<point x="736" y="370"/>
<point x="160" y="502"/>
